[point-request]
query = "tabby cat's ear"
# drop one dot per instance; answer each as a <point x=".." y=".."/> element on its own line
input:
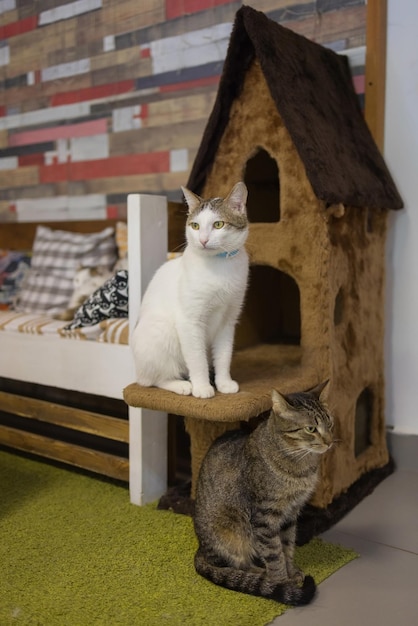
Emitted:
<point x="191" y="198"/>
<point x="237" y="198"/>
<point x="320" y="390"/>
<point x="280" y="404"/>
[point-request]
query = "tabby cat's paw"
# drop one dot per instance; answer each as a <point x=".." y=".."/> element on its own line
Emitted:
<point x="297" y="576"/>
<point x="227" y="386"/>
<point x="203" y="391"/>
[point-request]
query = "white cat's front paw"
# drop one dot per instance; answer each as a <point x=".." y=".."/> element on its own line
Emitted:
<point x="182" y="387"/>
<point x="227" y="386"/>
<point x="203" y="391"/>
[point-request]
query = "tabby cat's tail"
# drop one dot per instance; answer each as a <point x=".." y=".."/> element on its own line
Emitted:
<point x="256" y="584"/>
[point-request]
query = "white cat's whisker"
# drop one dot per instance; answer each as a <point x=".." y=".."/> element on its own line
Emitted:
<point x="180" y="248"/>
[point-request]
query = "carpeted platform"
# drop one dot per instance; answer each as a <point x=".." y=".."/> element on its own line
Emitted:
<point x="75" y="552"/>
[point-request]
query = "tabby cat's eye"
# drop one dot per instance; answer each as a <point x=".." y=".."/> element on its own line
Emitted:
<point x="219" y="224"/>
<point x="194" y="225"/>
<point x="310" y="429"/>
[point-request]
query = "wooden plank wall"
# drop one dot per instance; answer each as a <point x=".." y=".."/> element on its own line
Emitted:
<point x="99" y="98"/>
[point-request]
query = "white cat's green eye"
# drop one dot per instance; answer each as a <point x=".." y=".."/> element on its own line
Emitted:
<point x="194" y="225"/>
<point x="310" y="429"/>
<point x="219" y="224"/>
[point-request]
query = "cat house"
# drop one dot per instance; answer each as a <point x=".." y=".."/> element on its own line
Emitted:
<point x="287" y="121"/>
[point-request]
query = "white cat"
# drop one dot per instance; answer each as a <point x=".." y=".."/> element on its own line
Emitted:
<point x="189" y="311"/>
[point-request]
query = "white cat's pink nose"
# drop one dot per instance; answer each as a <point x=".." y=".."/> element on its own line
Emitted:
<point x="203" y="240"/>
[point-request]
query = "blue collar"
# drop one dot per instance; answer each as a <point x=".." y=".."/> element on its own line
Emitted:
<point x="227" y="255"/>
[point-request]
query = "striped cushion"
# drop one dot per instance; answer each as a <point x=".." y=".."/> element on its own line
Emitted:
<point x="114" y="331"/>
<point x="110" y="331"/>
<point x="57" y="254"/>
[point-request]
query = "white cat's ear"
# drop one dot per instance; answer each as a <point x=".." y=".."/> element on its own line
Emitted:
<point x="191" y="198"/>
<point x="280" y="404"/>
<point x="237" y="198"/>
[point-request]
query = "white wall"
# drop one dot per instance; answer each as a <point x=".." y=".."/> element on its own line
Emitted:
<point x="401" y="154"/>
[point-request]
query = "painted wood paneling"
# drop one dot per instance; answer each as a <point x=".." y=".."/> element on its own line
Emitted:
<point x="100" y="98"/>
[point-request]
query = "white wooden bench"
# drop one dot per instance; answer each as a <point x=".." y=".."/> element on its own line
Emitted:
<point x="91" y="367"/>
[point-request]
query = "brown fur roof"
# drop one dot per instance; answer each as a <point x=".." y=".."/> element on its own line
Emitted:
<point x="313" y="91"/>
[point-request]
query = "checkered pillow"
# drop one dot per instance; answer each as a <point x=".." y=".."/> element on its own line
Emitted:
<point x="56" y="256"/>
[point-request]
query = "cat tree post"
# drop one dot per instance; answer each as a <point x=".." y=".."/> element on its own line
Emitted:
<point x="202" y="435"/>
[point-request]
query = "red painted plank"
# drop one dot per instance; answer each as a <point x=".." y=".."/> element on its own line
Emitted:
<point x="18" y="28"/>
<point x="129" y="165"/>
<point x="359" y="83"/>
<point x="31" y="159"/>
<point x="144" y="111"/>
<point x="92" y="93"/>
<point x="191" y="84"/>
<point x="112" y="212"/>
<point x="84" y="129"/>
<point x="176" y="8"/>
<point x="54" y="173"/>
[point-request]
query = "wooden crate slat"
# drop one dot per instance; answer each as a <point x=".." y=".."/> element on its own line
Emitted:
<point x="145" y="183"/>
<point x="9" y="16"/>
<point x="135" y="14"/>
<point x="344" y="23"/>
<point x="182" y="135"/>
<point x="20" y="236"/>
<point x="177" y="110"/>
<point x="92" y="460"/>
<point x="126" y="58"/>
<point x="19" y="177"/>
<point x="68" y="417"/>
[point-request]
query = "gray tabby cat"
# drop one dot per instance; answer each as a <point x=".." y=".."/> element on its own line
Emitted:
<point x="250" y="491"/>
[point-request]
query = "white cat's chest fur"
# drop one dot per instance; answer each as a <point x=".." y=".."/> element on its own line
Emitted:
<point x="189" y="304"/>
<point x="197" y="289"/>
<point x="209" y="287"/>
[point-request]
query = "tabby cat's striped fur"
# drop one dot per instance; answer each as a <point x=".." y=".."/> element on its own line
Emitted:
<point x="250" y="491"/>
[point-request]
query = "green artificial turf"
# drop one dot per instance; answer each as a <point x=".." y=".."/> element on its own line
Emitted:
<point x="75" y="552"/>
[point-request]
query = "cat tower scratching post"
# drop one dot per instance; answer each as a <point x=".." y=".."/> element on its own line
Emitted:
<point x="287" y="121"/>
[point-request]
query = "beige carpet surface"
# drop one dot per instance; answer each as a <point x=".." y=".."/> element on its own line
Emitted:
<point x="75" y="552"/>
